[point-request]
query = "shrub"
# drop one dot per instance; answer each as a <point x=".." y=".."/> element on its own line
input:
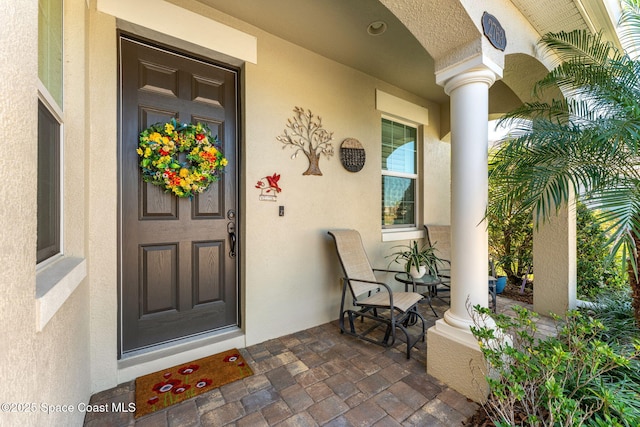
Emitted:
<point x="511" y="246"/>
<point x="596" y="271"/>
<point x="615" y="312"/>
<point x="565" y="380"/>
<point x="510" y="237"/>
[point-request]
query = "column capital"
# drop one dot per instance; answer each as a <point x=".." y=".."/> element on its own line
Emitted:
<point x="477" y="69"/>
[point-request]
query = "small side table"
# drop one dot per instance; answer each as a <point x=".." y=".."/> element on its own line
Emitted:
<point x="431" y="282"/>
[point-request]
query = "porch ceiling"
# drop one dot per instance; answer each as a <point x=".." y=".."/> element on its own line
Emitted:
<point x="551" y="15"/>
<point x="567" y="15"/>
<point x="395" y="56"/>
<point x="323" y="26"/>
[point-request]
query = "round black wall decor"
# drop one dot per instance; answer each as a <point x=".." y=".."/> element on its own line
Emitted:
<point x="352" y="155"/>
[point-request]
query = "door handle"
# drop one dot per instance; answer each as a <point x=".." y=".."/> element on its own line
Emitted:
<point x="231" y="229"/>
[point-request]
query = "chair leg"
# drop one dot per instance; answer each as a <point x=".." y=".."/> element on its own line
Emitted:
<point x="401" y="321"/>
<point x="414" y="309"/>
<point x="412" y="313"/>
<point x="352" y="327"/>
<point x="342" y="312"/>
<point x="409" y="345"/>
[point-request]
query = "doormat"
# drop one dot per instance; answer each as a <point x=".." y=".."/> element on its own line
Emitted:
<point x="164" y="388"/>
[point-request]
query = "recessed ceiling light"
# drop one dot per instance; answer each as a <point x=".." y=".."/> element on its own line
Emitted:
<point x="376" y="28"/>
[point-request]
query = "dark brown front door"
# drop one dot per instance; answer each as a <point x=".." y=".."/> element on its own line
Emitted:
<point x="177" y="256"/>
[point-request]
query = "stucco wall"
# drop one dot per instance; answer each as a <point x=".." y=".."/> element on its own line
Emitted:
<point x="103" y="197"/>
<point x="290" y="261"/>
<point x="18" y="195"/>
<point x="40" y="367"/>
<point x="554" y="247"/>
<point x="289" y="270"/>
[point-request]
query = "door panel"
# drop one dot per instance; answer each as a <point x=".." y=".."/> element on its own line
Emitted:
<point x="208" y="267"/>
<point x="159" y="278"/>
<point x="178" y="277"/>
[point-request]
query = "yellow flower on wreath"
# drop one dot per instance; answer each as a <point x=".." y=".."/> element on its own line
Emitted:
<point x="155" y="137"/>
<point x="159" y="148"/>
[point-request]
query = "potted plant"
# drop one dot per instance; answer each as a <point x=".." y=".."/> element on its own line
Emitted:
<point x="418" y="261"/>
<point x="501" y="281"/>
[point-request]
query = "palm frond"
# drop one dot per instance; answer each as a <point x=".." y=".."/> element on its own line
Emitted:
<point x="618" y="209"/>
<point x="579" y="45"/>
<point x="588" y="142"/>
<point x="629" y="23"/>
<point x="541" y="168"/>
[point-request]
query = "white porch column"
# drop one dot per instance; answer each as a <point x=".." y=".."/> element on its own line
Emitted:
<point x="453" y="354"/>
<point x="469" y="92"/>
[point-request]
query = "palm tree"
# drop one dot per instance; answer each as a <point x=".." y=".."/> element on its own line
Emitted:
<point x="588" y="142"/>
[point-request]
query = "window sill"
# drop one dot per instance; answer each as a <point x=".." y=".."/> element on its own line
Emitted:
<point x="54" y="284"/>
<point x="402" y="234"/>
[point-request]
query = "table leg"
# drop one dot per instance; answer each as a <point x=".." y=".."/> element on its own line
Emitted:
<point x="429" y="296"/>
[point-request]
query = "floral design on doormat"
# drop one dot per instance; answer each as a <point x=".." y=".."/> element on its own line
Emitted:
<point x="164" y="388"/>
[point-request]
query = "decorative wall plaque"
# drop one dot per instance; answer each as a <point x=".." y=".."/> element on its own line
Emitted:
<point x="494" y="31"/>
<point x="352" y="155"/>
<point x="305" y="134"/>
<point x="269" y="187"/>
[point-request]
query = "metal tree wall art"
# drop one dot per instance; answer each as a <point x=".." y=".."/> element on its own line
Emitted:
<point x="304" y="133"/>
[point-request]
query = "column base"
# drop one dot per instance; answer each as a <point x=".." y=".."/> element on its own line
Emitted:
<point x="454" y="357"/>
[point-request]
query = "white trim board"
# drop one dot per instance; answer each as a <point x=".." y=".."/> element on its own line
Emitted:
<point x="196" y="29"/>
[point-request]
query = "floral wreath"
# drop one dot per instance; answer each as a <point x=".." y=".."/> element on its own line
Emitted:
<point x="159" y="147"/>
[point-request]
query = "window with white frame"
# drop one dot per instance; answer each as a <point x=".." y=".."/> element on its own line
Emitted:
<point x="399" y="174"/>
<point x="48" y="184"/>
<point x="50" y="41"/>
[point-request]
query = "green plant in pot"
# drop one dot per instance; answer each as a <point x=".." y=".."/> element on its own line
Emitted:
<point x="418" y="261"/>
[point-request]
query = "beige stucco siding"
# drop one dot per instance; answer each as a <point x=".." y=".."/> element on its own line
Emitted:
<point x="103" y="197"/>
<point x="60" y="347"/>
<point x="41" y="364"/>
<point x="290" y="269"/>
<point x="289" y="272"/>
<point x="19" y="350"/>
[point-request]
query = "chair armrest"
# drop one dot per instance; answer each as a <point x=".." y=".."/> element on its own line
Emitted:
<point x="387" y="287"/>
<point x="388" y="271"/>
<point x="374" y="282"/>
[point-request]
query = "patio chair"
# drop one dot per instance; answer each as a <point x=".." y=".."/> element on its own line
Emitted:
<point x="372" y="299"/>
<point x="439" y="236"/>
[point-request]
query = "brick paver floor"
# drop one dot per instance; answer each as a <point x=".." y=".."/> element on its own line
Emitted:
<point x="316" y="377"/>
